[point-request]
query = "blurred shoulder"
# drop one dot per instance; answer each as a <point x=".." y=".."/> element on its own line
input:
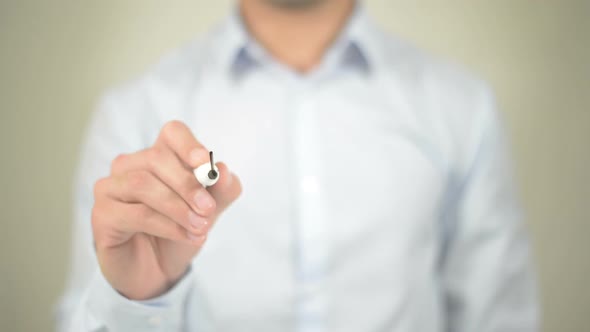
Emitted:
<point x="426" y="71"/>
<point x="163" y="89"/>
<point x="175" y="71"/>
<point x="142" y="104"/>
<point x="454" y="105"/>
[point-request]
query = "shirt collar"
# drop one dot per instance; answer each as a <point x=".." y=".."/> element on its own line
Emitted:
<point x="351" y="47"/>
<point x="238" y="52"/>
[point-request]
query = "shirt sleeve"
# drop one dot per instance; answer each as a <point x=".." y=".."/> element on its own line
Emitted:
<point x="487" y="275"/>
<point x="89" y="302"/>
<point x="106" y="308"/>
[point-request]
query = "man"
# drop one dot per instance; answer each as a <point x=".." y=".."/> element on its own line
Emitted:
<point x="373" y="194"/>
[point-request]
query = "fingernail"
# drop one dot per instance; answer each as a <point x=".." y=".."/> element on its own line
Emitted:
<point x="198" y="223"/>
<point x="203" y="200"/>
<point x="196" y="239"/>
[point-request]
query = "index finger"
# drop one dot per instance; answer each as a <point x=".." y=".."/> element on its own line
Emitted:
<point x="178" y="137"/>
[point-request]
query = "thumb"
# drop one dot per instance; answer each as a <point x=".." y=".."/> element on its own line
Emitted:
<point x="227" y="189"/>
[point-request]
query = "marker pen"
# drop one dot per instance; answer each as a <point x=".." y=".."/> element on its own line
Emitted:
<point x="208" y="173"/>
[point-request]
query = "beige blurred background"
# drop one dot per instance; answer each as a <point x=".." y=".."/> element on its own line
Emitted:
<point x="56" y="57"/>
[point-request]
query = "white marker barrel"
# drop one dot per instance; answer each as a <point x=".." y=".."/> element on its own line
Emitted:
<point x="202" y="175"/>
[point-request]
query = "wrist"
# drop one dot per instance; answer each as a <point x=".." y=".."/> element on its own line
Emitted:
<point x="154" y="288"/>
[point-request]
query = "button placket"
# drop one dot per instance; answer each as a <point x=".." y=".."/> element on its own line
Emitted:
<point x="311" y="248"/>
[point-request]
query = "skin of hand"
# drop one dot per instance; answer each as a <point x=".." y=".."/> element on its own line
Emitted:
<point x="151" y="216"/>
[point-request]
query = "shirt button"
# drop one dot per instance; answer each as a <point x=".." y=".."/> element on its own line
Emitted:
<point x="155" y="320"/>
<point x="310" y="185"/>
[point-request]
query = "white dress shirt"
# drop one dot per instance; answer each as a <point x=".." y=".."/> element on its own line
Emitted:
<point x="377" y="194"/>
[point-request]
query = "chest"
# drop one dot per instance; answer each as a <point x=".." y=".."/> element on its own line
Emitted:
<point x="346" y="149"/>
<point x="338" y="182"/>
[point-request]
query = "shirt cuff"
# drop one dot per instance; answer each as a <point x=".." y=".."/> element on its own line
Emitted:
<point x="111" y="310"/>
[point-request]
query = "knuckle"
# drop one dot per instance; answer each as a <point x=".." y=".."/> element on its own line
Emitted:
<point x="118" y="162"/>
<point x="155" y="157"/>
<point x="99" y="187"/>
<point x="154" y="153"/>
<point x="171" y="127"/>
<point x="138" y="180"/>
